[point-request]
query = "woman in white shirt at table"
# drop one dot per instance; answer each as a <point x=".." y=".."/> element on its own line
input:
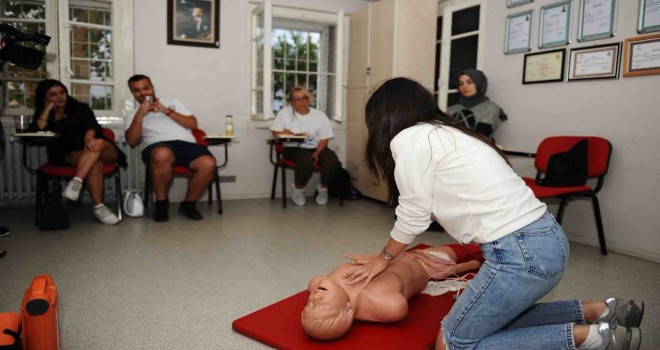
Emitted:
<point x="298" y="118"/>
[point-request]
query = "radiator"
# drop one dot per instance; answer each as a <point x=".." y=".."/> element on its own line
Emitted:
<point x="17" y="184"/>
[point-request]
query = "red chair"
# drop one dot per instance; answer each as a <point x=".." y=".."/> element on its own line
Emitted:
<point x="598" y="160"/>
<point x="279" y="162"/>
<point x="48" y="172"/>
<point x="182" y="171"/>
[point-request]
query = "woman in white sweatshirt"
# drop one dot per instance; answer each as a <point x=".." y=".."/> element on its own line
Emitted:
<point x="438" y="169"/>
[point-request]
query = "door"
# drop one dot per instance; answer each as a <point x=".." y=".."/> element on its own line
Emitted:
<point x="459" y="46"/>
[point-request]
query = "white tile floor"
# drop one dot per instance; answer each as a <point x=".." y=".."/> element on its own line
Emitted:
<point x="179" y="285"/>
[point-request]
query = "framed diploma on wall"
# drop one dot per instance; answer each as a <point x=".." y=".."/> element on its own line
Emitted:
<point x="649" y="16"/>
<point x="595" y="62"/>
<point x="641" y="55"/>
<point x="514" y="3"/>
<point x="544" y="67"/>
<point x="597" y="19"/>
<point x="517" y="37"/>
<point x="554" y="25"/>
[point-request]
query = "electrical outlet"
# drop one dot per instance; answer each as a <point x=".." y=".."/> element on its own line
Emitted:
<point x="228" y="178"/>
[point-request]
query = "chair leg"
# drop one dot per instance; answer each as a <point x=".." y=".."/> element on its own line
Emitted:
<point x="210" y="194"/>
<point x="147" y="192"/>
<point x="40" y="196"/>
<point x="599" y="225"/>
<point x="118" y="193"/>
<point x="341" y="199"/>
<point x="272" y="189"/>
<point x="283" y="186"/>
<point x="217" y="192"/>
<point x="562" y="207"/>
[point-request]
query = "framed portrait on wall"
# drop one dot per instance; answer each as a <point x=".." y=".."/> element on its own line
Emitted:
<point x="518" y="32"/>
<point x="193" y="23"/>
<point x="544" y="67"/>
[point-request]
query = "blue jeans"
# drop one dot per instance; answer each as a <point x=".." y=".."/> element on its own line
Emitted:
<point x="497" y="310"/>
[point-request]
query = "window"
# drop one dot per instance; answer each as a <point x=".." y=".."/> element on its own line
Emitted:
<point x="296" y="47"/>
<point x="83" y="56"/>
<point x="459" y="46"/>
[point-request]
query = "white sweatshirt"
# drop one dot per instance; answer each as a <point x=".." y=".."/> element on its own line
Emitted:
<point x="464" y="183"/>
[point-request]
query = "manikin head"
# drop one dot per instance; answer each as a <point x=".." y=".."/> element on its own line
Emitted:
<point x="328" y="314"/>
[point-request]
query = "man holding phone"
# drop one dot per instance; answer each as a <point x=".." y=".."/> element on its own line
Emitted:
<point x="165" y="127"/>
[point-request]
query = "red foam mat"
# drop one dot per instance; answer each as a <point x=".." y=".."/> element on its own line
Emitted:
<point x="278" y="325"/>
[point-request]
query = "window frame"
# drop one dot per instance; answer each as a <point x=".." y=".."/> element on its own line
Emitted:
<point x="445" y="10"/>
<point x="341" y="23"/>
<point x="58" y="54"/>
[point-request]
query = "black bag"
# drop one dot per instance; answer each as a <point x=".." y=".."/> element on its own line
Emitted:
<point x="53" y="214"/>
<point x="567" y="168"/>
<point x="340" y="186"/>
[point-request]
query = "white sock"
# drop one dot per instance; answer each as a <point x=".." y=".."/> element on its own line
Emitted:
<point x="77" y="179"/>
<point x="594" y="339"/>
<point x="98" y="206"/>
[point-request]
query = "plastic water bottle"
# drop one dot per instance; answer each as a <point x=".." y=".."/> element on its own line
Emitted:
<point x="229" y="126"/>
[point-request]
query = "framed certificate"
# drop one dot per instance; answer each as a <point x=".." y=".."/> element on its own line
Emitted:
<point x="641" y="55"/>
<point x="554" y="25"/>
<point x="544" y="67"/>
<point x="517" y="37"/>
<point x="594" y="62"/>
<point x="597" y="18"/>
<point x="649" y="16"/>
<point x="514" y="3"/>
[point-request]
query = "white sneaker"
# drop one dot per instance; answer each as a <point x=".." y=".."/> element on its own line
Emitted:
<point x="105" y="215"/>
<point x="298" y="196"/>
<point x="72" y="190"/>
<point x="322" y="195"/>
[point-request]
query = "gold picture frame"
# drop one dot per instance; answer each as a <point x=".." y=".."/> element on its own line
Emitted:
<point x="641" y="55"/>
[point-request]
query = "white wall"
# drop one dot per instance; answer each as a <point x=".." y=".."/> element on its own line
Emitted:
<point x="215" y="82"/>
<point x="626" y="111"/>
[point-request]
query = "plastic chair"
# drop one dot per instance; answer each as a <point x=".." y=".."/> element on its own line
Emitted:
<point x="179" y="170"/>
<point x="598" y="160"/>
<point x="279" y="162"/>
<point x="48" y="171"/>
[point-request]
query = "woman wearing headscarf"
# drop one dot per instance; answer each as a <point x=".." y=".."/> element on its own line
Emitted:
<point x="475" y="109"/>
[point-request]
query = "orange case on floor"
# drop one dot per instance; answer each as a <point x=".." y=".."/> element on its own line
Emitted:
<point x="10" y="331"/>
<point x="39" y="315"/>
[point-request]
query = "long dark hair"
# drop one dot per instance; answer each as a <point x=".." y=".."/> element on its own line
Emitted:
<point x="40" y="96"/>
<point x="397" y="104"/>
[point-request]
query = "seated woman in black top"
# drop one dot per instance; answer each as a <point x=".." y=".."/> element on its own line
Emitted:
<point x="81" y="143"/>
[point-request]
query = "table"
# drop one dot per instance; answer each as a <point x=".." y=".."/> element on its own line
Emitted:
<point x="40" y="138"/>
<point x="214" y="140"/>
<point x="516" y="153"/>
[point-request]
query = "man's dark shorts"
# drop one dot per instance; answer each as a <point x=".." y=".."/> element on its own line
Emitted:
<point x="184" y="152"/>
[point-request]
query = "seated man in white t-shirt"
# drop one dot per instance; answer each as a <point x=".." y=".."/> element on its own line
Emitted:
<point x="165" y="127"/>
<point x="298" y="118"/>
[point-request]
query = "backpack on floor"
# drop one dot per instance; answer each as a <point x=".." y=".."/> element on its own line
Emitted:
<point x="53" y="214"/>
<point x="341" y="184"/>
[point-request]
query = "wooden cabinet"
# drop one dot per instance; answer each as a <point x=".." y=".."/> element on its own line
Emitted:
<point x="389" y="38"/>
